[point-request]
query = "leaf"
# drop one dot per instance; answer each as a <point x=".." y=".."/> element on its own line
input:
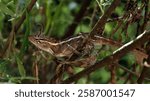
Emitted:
<point x="11" y="5"/>
<point x="20" y="67"/>
<point x="4" y="9"/>
<point x="3" y="65"/>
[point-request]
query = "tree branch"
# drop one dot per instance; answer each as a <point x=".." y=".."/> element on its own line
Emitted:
<point x="99" y="26"/>
<point x="71" y="28"/>
<point x="23" y="17"/>
<point x="141" y="39"/>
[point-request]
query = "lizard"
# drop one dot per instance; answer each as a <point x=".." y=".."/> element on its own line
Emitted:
<point x="66" y="48"/>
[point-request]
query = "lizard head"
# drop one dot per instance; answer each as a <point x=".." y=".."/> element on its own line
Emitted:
<point x="42" y="43"/>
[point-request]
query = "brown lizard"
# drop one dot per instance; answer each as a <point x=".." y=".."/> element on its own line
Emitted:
<point x="68" y="47"/>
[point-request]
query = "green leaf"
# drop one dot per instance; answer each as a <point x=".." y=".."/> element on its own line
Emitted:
<point x="3" y="65"/>
<point x="4" y="9"/>
<point x="11" y="5"/>
<point x="20" y="67"/>
<point x="19" y="79"/>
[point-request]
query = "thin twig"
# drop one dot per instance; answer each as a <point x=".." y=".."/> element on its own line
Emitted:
<point x="146" y="67"/>
<point x="142" y="76"/>
<point x="23" y="17"/>
<point x="113" y="74"/>
<point x="130" y="75"/>
<point x="71" y="28"/>
<point x="126" y="70"/>
<point x="143" y="27"/>
<point x="99" y="26"/>
<point x="57" y="77"/>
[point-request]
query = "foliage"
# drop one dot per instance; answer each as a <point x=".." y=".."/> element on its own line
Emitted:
<point x="22" y="63"/>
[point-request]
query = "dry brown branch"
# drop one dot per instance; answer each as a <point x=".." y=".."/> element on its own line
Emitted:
<point x="131" y="75"/>
<point x="143" y="27"/>
<point x="99" y="26"/>
<point x="129" y="71"/>
<point x="58" y="75"/>
<point x="23" y="17"/>
<point x="113" y="74"/>
<point x="140" y="40"/>
<point x="71" y="28"/>
<point x="146" y="66"/>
